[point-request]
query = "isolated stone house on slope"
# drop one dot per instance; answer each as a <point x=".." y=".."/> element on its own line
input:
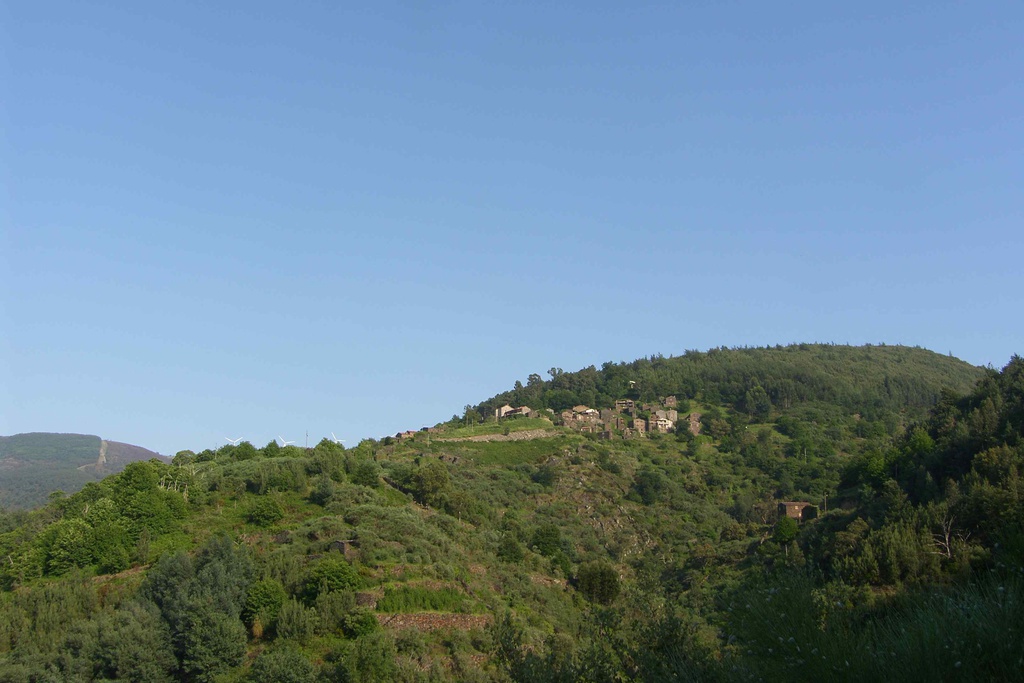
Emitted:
<point x="798" y="510"/>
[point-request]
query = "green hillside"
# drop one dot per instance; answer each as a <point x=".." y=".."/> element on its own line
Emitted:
<point x="546" y="548"/>
<point x="32" y="466"/>
<point x="869" y="379"/>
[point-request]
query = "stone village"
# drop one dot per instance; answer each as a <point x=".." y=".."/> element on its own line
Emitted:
<point x="628" y="419"/>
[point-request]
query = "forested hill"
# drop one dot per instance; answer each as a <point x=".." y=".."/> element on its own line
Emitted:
<point x="34" y="465"/>
<point x="848" y="540"/>
<point x="857" y="378"/>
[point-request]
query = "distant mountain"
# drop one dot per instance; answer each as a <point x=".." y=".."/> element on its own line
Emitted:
<point x="32" y="466"/>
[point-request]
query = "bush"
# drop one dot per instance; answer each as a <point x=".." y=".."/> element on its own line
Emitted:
<point x="649" y="485"/>
<point x="366" y="473"/>
<point x="332" y="609"/>
<point x="509" y="549"/>
<point x="296" y="622"/>
<point x="264" y="512"/>
<point x="547" y="539"/>
<point x="328" y="576"/>
<point x="359" y="622"/>
<point x="322" y="492"/>
<point x="284" y="664"/>
<point x="263" y="603"/>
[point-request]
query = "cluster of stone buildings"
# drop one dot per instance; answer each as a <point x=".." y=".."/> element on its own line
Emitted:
<point x="628" y="418"/>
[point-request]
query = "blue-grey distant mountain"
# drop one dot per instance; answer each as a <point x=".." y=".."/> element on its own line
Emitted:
<point x="32" y="466"/>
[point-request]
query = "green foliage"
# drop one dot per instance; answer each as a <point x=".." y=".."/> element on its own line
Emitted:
<point x="130" y="643"/>
<point x="923" y="513"/>
<point x="296" y="622"/>
<point x="70" y="547"/>
<point x="649" y="486"/>
<point x="263" y="603"/>
<point x="373" y="659"/>
<point x="510" y="550"/>
<point x="547" y="539"/>
<point x="359" y="622"/>
<point x="264" y="512"/>
<point x="330" y="575"/>
<point x="757" y="403"/>
<point x="322" y="490"/>
<point x="598" y="582"/>
<point x="964" y="633"/>
<point x="201" y="601"/>
<point x="864" y="379"/>
<point x="419" y="599"/>
<point x="212" y="643"/>
<point x="546" y="475"/>
<point x="430" y="483"/>
<point x="366" y="473"/>
<point x="282" y="664"/>
<point x="786" y="530"/>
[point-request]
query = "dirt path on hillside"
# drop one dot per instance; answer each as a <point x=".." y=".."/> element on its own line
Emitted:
<point x="526" y="435"/>
<point x="100" y="461"/>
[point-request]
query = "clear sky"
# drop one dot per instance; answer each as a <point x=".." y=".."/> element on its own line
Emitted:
<point x="254" y="219"/>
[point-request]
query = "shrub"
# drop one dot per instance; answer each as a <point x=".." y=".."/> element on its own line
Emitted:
<point x="328" y="576"/>
<point x="509" y="549"/>
<point x="263" y="603"/>
<point x="359" y="622"/>
<point x="296" y="622"/>
<point x="649" y="485"/>
<point x="264" y="512"/>
<point x="323" y="491"/>
<point x="366" y="473"/>
<point x="333" y="608"/>
<point x="547" y="539"/>
<point x="284" y="664"/>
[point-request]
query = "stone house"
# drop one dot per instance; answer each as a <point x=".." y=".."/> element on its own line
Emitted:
<point x="624" y="405"/>
<point x="670" y="402"/>
<point x="521" y="410"/>
<point x="798" y="510"/>
<point x="503" y="411"/>
<point x="346" y="548"/>
<point x="660" y="424"/>
<point x="639" y="425"/>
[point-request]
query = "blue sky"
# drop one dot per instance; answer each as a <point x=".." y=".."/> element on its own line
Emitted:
<point x="258" y="219"/>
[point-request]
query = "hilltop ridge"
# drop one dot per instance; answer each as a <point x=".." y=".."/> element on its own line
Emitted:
<point x="869" y="378"/>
